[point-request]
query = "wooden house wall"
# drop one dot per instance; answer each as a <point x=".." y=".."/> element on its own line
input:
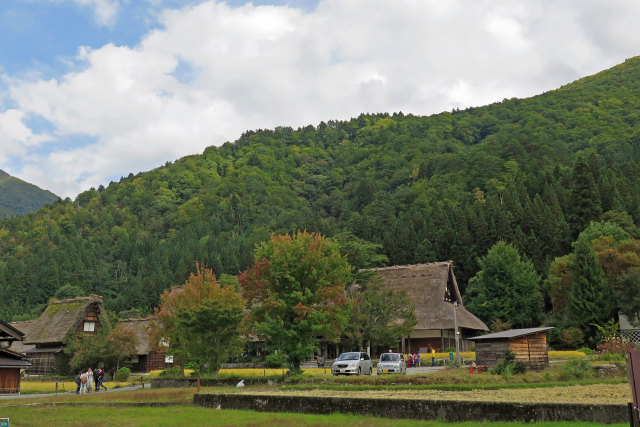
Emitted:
<point x="91" y="316"/>
<point x="41" y="363"/>
<point x="531" y="349"/>
<point x="9" y="380"/>
<point x="156" y="361"/>
<point x="488" y="353"/>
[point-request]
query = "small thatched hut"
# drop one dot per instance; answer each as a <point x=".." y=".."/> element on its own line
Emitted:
<point x="48" y="334"/>
<point x="146" y="359"/>
<point x="529" y="346"/>
<point x="433" y="290"/>
<point x="10" y="362"/>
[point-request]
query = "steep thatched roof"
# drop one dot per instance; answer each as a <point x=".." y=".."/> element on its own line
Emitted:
<point x="141" y="328"/>
<point x="24" y="327"/>
<point x="60" y="318"/>
<point x="433" y="289"/>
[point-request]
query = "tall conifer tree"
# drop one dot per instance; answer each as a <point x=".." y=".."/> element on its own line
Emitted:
<point x="591" y="301"/>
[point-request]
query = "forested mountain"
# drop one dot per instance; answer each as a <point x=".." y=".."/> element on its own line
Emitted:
<point x="532" y="172"/>
<point x="18" y="197"/>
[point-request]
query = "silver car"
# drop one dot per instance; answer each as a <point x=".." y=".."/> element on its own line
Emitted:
<point x="391" y="363"/>
<point x="353" y="362"/>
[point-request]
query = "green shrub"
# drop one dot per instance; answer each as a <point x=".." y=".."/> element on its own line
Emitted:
<point x="122" y="374"/>
<point x="576" y="369"/>
<point x="172" y="372"/>
<point x="519" y="367"/>
<point x="509" y="365"/>
<point x="275" y="360"/>
<point x="611" y="357"/>
<point x="587" y="351"/>
<point x="450" y="349"/>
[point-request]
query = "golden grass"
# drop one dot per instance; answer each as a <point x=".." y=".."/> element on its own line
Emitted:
<point x="28" y="387"/>
<point x="566" y="354"/>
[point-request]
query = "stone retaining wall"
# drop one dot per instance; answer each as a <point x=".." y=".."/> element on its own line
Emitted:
<point x="419" y="409"/>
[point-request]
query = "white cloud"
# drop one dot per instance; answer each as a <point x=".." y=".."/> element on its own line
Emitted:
<point x="104" y="11"/>
<point x="214" y="71"/>
<point x="16" y="137"/>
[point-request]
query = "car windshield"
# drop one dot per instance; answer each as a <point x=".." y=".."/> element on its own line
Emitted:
<point x="349" y="356"/>
<point x="386" y="357"/>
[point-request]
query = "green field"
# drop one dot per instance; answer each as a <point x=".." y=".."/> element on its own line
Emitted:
<point x="192" y="416"/>
<point x="97" y="410"/>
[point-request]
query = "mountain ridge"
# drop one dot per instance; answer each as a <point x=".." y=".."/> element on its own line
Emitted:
<point x="446" y="186"/>
<point x="18" y="197"/>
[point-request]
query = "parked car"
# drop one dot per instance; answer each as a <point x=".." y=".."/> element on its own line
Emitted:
<point x="391" y="363"/>
<point x="353" y="362"/>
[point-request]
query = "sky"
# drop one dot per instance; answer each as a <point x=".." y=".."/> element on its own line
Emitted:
<point x="92" y="90"/>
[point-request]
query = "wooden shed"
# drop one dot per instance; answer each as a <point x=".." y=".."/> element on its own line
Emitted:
<point x="11" y="363"/>
<point x="529" y="346"/>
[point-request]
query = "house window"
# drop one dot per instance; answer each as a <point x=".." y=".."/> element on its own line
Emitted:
<point x="89" y="326"/>
<point x="168" y="359"/>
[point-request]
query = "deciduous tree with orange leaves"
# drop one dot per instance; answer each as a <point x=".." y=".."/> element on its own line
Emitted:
<point x="200" y="322"/>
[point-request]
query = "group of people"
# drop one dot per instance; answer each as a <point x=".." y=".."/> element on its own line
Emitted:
<point x="413" y="360"/>
<point x="86" y="380"/>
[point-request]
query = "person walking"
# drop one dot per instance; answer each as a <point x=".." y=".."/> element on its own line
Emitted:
<point x="100" y="379"/>
<point x="95" y="380"/>
<point x="433" y="356"/>
<point x="78" y="382"/>
<point x="89" y="380"/>
<point x="418" y="359"/>
<point x="83" y="382"/>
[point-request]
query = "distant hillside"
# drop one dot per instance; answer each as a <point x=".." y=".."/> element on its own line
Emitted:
<point x="443" y="187"/>
<point x="18" y="197"/>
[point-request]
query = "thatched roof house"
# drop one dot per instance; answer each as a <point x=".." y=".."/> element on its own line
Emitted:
<point x="46" y="336"/>
<point x="10" y="362"/>
<point x="433" y="289"/>
<point x="25" y="327"/>
<point x="147" y="358"/>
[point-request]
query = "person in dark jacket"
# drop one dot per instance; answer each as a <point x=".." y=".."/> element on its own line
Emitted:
<point x="100" y="379"/>
<point x="78" y="382"/>
<point x="95" y="380"/>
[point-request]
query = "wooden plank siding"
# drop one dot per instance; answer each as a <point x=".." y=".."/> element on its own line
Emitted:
<point x="9" y="380"/>
<point x="488" y="353"/>
<point x="531" y="349"/>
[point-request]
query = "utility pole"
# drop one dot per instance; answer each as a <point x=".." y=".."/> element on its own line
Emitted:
<point x="457" y="333"/>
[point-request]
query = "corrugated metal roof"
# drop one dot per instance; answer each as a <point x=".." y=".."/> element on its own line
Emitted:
<point x="512" y="333"/>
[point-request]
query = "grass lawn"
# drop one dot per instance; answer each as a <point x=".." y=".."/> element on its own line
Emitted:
<point x="192" y="416"/>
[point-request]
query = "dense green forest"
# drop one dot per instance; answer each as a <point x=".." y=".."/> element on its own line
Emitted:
<point x="18" y="197"/>
<point x="531" y="172"/>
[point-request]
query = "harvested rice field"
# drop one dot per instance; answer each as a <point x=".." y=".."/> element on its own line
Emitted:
<point x="595" y="393"/>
